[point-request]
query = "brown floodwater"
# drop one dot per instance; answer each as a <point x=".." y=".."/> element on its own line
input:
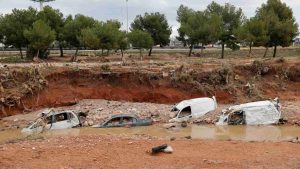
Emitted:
<point x="208" y="132"/>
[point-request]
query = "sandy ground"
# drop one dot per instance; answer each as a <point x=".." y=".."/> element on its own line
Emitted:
<point x="114" y="152"/>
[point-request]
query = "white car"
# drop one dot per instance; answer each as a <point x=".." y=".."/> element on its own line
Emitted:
<point x="54" y="120"/>
<point x="193" y="109"/>
<point x="254" y="113"/>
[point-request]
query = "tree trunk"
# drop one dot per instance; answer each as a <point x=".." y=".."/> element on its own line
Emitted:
<point x="191" y="48"/>
<point x="74" y="58"/>
<point x="36" y="57"/>
<point x="275" y="51"/>
<point x="202" y="49"/>
<point x="141" y="54"/>
<point x="150" y="51"/>
<point x="21" y="53"/>
<point x="107" y="52"/>
<point x="266" y="51"/>
<point x="123" y="61"/>
<point x="61" y="50"/>
<point x="102" y="52"/>
<point x="250" y="51"/>
<point x="223" y="49"/>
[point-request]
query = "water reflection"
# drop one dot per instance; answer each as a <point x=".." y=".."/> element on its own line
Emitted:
<point x="211" y="132"/>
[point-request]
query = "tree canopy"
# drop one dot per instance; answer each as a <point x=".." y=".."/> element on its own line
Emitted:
<point x="73" y="27"/>
<point x="40" y="36"/>
<point x="231" y="19"/>
<point x="13" y="25"/>
<point x="141" y="40"/>
<point x="156" y="25"/>
<point x="253" y="32"/>
<point x="55" y="19"/>
<point x="280" y="23"/>
<point x="198" y="27"/>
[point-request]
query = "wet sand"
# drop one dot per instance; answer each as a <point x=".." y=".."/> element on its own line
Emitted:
<point x="117" y="152"/>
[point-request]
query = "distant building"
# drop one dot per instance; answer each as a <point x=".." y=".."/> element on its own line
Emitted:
<point x="296" y="42"/>
<point x="175" y="43"/>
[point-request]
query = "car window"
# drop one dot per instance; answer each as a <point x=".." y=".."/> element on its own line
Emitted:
<point x="61" y="117"/>
<point x="128" y="120"/>
<point x="71" y="115"/>
<point x="49" y="119"/>
<point x="185" y="112"/>
<point x="114" y="121"/>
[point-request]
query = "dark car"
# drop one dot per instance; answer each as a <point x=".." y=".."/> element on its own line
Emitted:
<point x="124" y="120"/>
<point x="199" y="47"/>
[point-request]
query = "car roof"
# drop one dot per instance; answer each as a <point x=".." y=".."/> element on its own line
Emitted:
<point x="123" y="115"/>
<point x="51" y="113"/>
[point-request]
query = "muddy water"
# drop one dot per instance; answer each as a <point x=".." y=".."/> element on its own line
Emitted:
<point x="210" y="132"/>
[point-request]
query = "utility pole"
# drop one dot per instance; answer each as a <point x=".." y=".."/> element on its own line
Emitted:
<point x="42" y="3"/>
<point x="127" y="15"/>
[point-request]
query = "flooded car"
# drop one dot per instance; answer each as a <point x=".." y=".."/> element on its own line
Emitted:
<point x="51" y="120"/>
<point x="123" y="120"/>
<point x="254" y="113"/>
<point x="192" y="109"/>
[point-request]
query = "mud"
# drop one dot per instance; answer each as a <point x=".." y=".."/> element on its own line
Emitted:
<point x="121" y="152"/>
<point x="204" y="132"/>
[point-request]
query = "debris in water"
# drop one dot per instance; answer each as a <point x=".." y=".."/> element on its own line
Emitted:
<point x="188" y="137"/>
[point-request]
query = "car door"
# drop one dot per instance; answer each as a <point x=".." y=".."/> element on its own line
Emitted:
<point x="128" y="121"/>
<point x="114" y="122"/>
<point x="62" y="121"/>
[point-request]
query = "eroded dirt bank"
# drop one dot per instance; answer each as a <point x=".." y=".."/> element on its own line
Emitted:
<point x="116" y="152"/>
<point x="24" y="89"/>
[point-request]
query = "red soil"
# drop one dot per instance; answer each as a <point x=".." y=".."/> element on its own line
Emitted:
<point x="109" y="152"/>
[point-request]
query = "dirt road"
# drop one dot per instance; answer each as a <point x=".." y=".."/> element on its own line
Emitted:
<point x="113" y="152"/>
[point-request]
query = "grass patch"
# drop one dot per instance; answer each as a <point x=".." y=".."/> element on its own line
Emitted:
<point x="13" y="59"/>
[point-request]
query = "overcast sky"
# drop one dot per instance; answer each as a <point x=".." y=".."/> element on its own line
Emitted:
<point x="116" y="9"/>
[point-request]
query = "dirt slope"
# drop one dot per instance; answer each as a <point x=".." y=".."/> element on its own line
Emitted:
<point x="24" y="89"/>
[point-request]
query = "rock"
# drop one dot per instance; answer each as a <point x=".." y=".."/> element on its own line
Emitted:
<point x="169" y="125"/>
<point x="295" y="140"/>
<point x="156" y="120"/>
<point x="184" y="124"/>
<point x="159" y="149"/>
<point x="172" y="138"/>
<point x="188" y="137"/>
<point x="154" y="114"/>
<point x="90" y="123"/>
<point x="172" y="115"/>
<point x="165" y="74"/>
<point x="169" y="149"/>
<point x="208" y="120"/>
<point x="265" y="70"/>
<point x="41" y="81"/>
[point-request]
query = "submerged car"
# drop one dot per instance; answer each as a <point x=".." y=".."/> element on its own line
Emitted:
<point x="124" y="120"/>
<point x="54" y="120"/>
<point x="193" y="109"/>
<point x="254" y="113"/>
